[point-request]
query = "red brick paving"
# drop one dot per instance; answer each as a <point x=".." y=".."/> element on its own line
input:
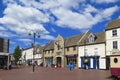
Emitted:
<point x="42" y="73"/>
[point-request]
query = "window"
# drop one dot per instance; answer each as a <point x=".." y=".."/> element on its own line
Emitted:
<point x="74" y="48"/>
<point x="52" y="50"/>
<point x="49" y="51"/>
<point x="96" y="51"/>
<point x="91" y="39"/>
<point x="115" y="60"/>
<point x="115" y="46"/>
<point x="114" y="32"/>
<point x="85" y="52"/>
<point x="67" y="48"/>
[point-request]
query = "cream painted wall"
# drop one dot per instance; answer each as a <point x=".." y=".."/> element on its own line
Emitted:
<point x="110" y="39"/>
<point x="91" y="52"/>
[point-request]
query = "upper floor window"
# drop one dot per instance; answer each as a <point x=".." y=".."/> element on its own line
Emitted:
<point x="74" y="48"/>
<point x="67" y="48"/>
<point x="49" y="51"/>
<point x="114" y="32"/>
<point x="96" y="51"/>
<point x="91" y="38"/>
<point x="52" y="51"/>
<point x="115" y="45"/>
<point x="85" y="52"/>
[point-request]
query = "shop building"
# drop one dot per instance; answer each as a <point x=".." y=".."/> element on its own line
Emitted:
<point x="91" y="53"/>
<point x="28" y="57"/>
<point x="112" y="39"/>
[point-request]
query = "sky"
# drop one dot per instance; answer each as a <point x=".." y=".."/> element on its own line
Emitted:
<point x="48" y="18"/>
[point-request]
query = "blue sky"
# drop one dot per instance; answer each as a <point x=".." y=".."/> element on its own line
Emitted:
<point x="52" y="17"/>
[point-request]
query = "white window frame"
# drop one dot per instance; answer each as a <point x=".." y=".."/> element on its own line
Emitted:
<point x="115" y="44"/>
<point x="114" y="32"/>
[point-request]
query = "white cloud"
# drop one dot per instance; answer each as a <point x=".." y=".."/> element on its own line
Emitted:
<point x="22" y="19"/>
<point x="7" y="34"/>
<point x="47" y="37"/>
<point x="25" y="40"/>
<point x="2" y="28"/>
<point x="19" y="19"/>
<point x="53" y="30"/>
<point x="104" y="1"/>
<point x="109" y="11"/>
<point x="84" y="20"/>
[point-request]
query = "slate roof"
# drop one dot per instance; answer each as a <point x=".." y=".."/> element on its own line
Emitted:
<point x="49" y="46"/>
<point x="99" y="38"/>
<point x="113" y="24"/>
<point x="73" y="40"/>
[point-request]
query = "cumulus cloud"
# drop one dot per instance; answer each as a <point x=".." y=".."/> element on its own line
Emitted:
<point x="2" y="28"/>
<point x="23" y="15"/>
<point x="48" y="37"/>
<point x="104" y="1"/>
<point x="84" y="20"/>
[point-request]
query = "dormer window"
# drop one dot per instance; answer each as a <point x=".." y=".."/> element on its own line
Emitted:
<point x="91" y="38"/>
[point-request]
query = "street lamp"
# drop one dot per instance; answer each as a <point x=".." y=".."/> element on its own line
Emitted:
<point x="35" y="34"/>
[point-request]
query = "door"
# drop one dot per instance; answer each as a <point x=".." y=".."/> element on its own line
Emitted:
<point x="58" y="62"/>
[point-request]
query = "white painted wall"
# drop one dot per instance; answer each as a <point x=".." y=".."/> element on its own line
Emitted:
<point x="29" y="55"/>
<point x="110" y="39"/>
<point x="91" y="52"/>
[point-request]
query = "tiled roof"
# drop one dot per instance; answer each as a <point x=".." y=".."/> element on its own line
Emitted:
<point x="99" y="38"/>
<point x="72" y="41"/>
<point x="49" y="46"/>
<point x="113" y="24"/>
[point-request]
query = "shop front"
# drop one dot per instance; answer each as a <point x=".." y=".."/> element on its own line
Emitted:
<point x="4" y="61"/>
<point x="90" y="62"/>
<point x="71" y="59"/>
<point x="48" y="61"/>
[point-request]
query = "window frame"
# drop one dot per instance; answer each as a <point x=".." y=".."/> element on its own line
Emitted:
<point x="114" y="32"/>
<point x="115" y="44"/>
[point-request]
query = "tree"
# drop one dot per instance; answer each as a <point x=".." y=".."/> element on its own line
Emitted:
<point x="17" y="54"/>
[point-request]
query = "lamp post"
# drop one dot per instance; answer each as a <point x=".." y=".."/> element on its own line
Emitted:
<point x="35" y="34"/>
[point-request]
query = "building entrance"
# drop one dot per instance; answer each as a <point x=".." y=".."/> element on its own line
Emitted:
<point x="58" y="62"/>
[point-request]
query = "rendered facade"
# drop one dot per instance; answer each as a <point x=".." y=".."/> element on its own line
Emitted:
<point x="27" y="56"/>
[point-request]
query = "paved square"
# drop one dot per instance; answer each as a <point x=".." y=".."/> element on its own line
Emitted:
<point x="43" y="73"/>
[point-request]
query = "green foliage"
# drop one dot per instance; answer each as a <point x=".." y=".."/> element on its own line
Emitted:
<point x="17" y="54"/>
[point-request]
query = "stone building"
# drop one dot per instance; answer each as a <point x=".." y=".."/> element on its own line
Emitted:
<point x="96" y="47"/>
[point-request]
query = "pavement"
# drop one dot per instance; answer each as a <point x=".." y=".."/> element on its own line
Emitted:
<point x="43" y="73"/>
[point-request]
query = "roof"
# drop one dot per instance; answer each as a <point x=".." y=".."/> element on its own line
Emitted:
<point x="49" y="46"/>
<point x="99" y="38"/>
<point x="73" y="40"/>
<point x="113" y="24"/>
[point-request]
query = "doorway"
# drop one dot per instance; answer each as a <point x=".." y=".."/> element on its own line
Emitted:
<point x="58" y="62"/>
